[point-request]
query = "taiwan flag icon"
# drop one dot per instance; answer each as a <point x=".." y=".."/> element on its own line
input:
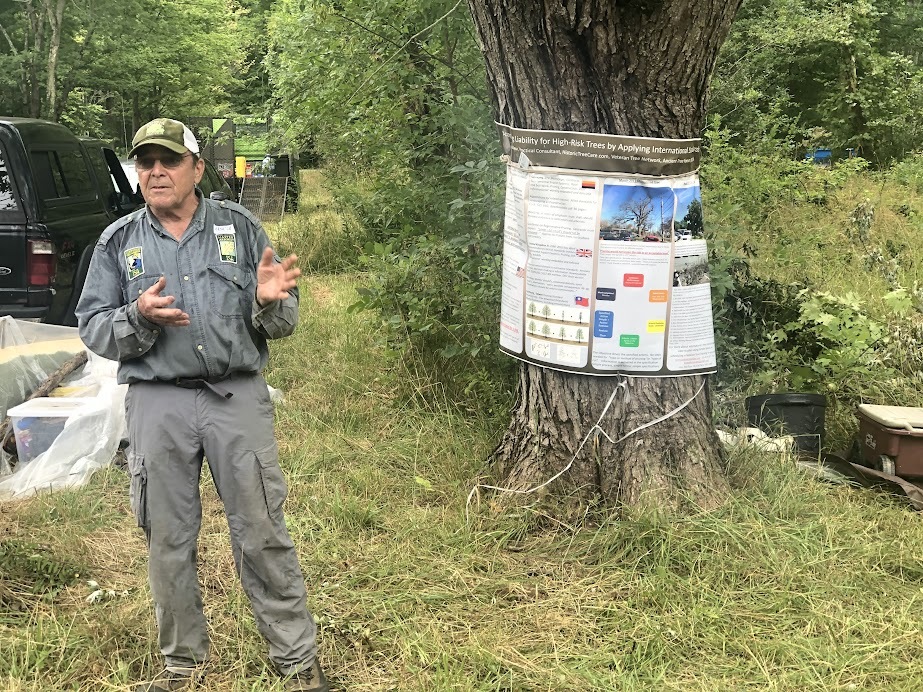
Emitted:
<point x="582" y="301"/>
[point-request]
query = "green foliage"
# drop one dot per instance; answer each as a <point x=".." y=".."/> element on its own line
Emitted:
<point x="814" y="279"/>
<point x="833" y="74"/>
<point x="394" y="102"/>
<point x="848" y="355"/>
<point x="323" y="238"/>
<point x="121" y="62"/>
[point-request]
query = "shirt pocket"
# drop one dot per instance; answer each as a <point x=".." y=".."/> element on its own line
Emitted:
<point x="134" y="288"/>
<point x="230" y="289"/>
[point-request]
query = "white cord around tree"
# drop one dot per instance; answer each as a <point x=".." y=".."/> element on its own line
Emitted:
<point x="595" y="427"/>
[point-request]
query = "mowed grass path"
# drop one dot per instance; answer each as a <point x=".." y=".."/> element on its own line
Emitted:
<point x="793" y="585"/>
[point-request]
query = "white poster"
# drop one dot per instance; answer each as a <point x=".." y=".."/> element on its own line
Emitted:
<point x="514" y="263"/>
<point x="606" y="273"/>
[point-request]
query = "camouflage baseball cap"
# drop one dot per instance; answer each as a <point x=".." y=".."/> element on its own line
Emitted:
<point x="171" y="134"/>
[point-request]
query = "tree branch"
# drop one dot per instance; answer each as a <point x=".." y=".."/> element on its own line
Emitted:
<point x="398" y="52"/>
<point x="387" y="39"/>
<point x="8" y="40"/>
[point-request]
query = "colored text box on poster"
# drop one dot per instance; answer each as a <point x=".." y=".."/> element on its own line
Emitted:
<point x="602" y="324"/>
<point x="605" y="294"/>
<point x="629" y="341"/>
<point x="654" y="326"/>
<point x="658" y="296"/>
<point x="633" y="280"/>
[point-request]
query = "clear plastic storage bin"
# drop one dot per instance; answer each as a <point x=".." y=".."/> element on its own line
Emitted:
<point x="38" y="422"/>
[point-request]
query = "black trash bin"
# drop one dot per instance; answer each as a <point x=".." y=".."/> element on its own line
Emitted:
<point x="798" y="415"/>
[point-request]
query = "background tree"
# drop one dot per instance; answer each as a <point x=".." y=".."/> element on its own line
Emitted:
<point x="638" y="213"/>
<point x="834" y="74"/>
<point x="630" y="68"/>
<point x="105" y="66"/>
<point x="692" y="221"/>
<point x="391" y="97"/>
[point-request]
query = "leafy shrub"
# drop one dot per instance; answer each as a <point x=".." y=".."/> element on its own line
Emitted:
<point x="438" y="294"/>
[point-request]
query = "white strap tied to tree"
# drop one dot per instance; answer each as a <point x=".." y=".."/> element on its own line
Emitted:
<point x="596" y="427"/>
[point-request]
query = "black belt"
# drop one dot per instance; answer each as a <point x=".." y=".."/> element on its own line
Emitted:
<point x="202" y="383"/>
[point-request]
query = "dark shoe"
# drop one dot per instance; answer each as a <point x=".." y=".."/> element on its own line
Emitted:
<point x="308" y="680"/>
<point x="167" y="681"/>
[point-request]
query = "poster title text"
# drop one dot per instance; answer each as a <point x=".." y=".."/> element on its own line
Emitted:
<point x="609" y="146"/>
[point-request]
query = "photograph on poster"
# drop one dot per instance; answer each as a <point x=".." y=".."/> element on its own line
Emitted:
<point x="636" y="212"/>
<point x="690" y="264"/>
<point x="688" y="224"/>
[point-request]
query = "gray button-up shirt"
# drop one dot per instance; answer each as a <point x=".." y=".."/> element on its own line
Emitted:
<point x="210" y="270"/>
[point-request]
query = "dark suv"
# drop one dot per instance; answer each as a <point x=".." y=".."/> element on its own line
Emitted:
<point x="57" y="194"/>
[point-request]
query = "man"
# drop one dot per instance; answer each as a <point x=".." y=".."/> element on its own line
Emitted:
<point x="184" y="294"/>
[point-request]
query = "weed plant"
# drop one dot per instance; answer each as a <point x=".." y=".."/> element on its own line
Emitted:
<point x="324" y="238"/>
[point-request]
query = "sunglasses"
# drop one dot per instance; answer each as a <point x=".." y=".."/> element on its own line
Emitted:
<point x="146" y="163"/>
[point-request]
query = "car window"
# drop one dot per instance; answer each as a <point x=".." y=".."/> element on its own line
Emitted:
<point x="8" y="201"/>
<point x="101" y="168"/>
<point x="61" y="174"/>
<point x="48" y="179"/>
<point x="76" y="173"/>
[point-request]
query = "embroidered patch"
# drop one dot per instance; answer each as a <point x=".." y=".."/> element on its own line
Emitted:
<point x="227" y="247"/>
<point x="134" y="262"/>
<point x="227" y="243"/>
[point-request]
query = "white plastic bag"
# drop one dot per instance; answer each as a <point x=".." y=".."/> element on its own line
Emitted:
<point x="29" y="353"/>
<point x="88" y="442"/>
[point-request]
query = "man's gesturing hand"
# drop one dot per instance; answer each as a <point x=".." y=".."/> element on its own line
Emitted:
<point x="153" y="306"/>
<point x="274" y="280"/>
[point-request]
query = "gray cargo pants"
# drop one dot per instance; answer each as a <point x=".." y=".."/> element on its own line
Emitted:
<point x="169" y="431"/>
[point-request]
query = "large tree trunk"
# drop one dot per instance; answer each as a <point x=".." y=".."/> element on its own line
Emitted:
<point x="637" y="68"/>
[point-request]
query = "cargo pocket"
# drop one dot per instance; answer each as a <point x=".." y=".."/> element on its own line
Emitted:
<point x="138" y="492"/>
<point x="274" y="488"/>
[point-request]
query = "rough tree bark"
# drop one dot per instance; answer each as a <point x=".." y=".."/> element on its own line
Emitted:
<point x="627" y="67"/>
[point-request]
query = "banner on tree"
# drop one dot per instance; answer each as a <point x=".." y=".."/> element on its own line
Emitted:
<point x="605" y="265"/>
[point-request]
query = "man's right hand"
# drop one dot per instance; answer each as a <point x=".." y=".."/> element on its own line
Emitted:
<point x="154" y="307"/>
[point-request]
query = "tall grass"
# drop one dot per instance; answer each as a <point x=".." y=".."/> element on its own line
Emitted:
<point x="324" y="237"/>
<point x="793" y="585"/>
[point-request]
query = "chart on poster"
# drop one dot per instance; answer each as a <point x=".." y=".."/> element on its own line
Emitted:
<point x="605" y="265"/>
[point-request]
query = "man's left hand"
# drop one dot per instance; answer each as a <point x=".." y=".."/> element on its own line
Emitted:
<point x="275" y="279"/>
